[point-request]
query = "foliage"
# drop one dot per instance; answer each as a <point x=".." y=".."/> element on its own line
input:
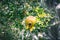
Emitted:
<point x="13" y="15"/>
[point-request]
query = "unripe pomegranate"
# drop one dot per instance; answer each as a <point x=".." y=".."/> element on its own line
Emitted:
<point x="30" y="22"/>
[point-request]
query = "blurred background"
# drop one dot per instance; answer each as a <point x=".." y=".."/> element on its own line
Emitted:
<point x="13" y="14"/>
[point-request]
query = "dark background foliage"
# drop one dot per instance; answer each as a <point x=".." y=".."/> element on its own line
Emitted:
<point x="12" y="12"/>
